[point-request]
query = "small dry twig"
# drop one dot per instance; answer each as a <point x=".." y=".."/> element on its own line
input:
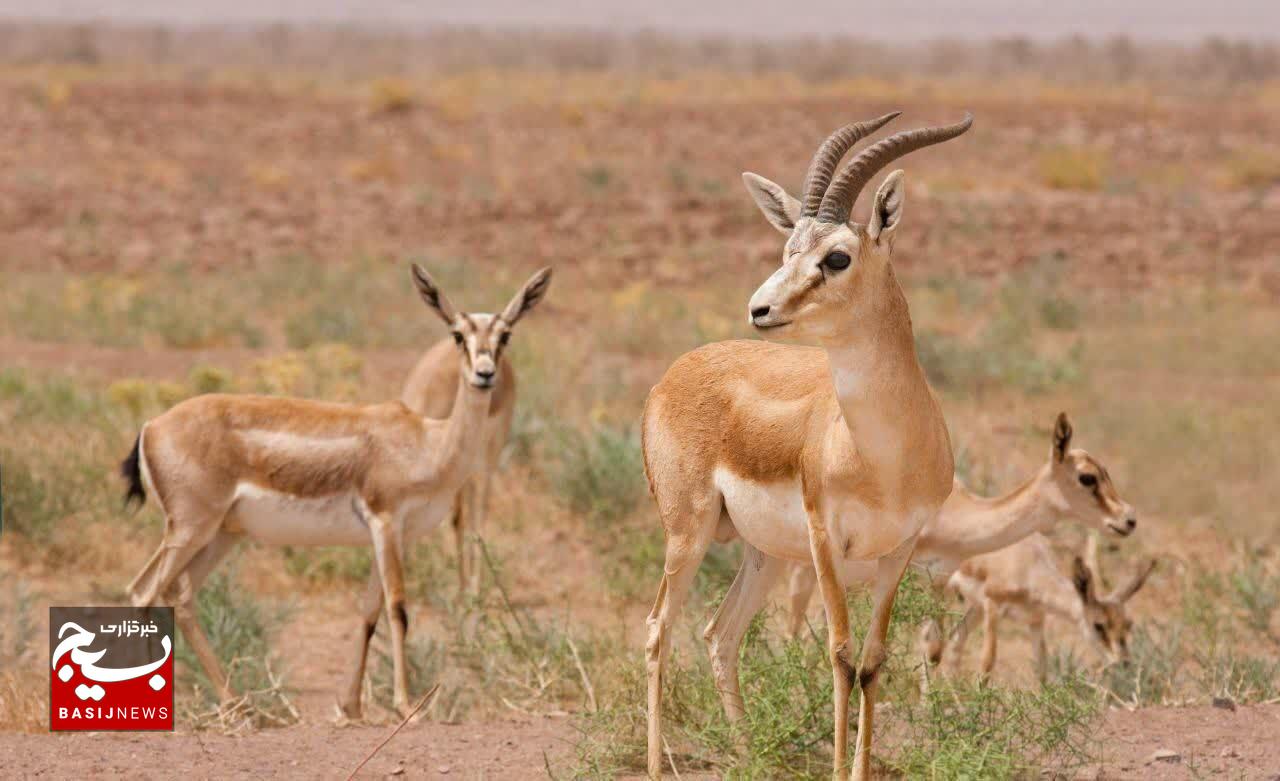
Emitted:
<point x="429" y="695"/>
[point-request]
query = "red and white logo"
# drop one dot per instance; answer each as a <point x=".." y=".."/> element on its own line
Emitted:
<point x="111" y="668"/>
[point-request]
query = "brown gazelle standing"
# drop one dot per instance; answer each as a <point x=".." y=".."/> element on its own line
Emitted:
<point x="429" y="392"/>
<point x="288" y="471"/>
<point x="836" y="454"/>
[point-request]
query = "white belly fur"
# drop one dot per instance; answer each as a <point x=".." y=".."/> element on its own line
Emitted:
<point x="771" y="517"/>
<point x="274" y="518"/>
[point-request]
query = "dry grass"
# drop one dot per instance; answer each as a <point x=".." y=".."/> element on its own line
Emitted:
<point x="1074" y="168"/>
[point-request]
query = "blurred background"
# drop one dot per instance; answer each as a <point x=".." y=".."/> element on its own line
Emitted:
<point x="208" y="197"/>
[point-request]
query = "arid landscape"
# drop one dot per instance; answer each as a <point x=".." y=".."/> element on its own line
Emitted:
<point x="192" y="213"/>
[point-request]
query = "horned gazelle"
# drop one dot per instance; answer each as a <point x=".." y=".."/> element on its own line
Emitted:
<point x="288" y="471"/>
<point x="429" y="392"/>
<point x="835" y="454"/>
<point x="1024" y="579"/>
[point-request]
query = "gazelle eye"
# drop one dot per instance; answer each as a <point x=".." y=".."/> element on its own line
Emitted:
<point x="1100" y="629"/>
<point x="504" y="338"/>
<point x="837" y="261"/>
<point x="457" y="338"/>
<point x="1088" y="481"/>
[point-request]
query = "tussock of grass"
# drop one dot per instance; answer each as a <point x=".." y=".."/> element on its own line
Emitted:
<point x="495" y="656"/>
<point x="24" y="703"/>
<point x="965" y="730"/>
<point x="240" y="629"/>
<point x="600" y="474"/>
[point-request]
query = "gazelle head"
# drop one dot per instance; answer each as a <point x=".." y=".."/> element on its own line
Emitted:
<point x="481" y="338"/>
<point x="1106" y="620"/>
<point x="835" y="273"/>
<point x="1084" y="487"/>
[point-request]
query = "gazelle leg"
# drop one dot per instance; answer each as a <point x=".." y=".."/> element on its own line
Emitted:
<point x="183" y="594"/>
<point x="800" y="590"/>
<point x="683" y="556"/>
<point x="837" y="610"/>
<point x="458" y="523"/>
<point x="386" y="550"/>
<point x="889" y="572"/>
<point x="1038" y="649"/>
<point x="990" y="618"/>
<point x="476" y="508"/>
<point x="147" y="569"/>
<point x="370" y="609"/>
<point x="729" y="624"/>
<point x="954" y="653"/>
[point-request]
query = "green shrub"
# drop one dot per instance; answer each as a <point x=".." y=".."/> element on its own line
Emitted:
<point x="240" y="629"/>
<point x="600" y="474"/>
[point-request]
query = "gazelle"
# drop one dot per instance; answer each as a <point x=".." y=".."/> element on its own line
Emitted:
<point x="836" y="454"/>
<point x="1073" y="486"/>
<point x="288" y="471"/>
<point x="429" y="392"/>
<point x="1024" y="579"/>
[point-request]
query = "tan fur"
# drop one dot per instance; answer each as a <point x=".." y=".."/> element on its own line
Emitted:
<point x="224" y="466"/>
<point x="848" y="429"/>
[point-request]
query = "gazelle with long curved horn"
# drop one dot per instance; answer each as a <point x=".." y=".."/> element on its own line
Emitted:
<point x="836" y="454"/>
<point x="299" y="472"/>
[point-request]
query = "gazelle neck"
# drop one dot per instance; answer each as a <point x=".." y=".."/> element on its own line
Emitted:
<point x="465" y="424"/>
<point x="886" y="402"/>
<point x="987" y="525"/>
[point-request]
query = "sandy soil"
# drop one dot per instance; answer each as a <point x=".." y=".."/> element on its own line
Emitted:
<point x="506" y="749"/>
<point x="1206" y="742"/>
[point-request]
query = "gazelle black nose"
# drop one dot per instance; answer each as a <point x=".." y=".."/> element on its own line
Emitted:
<point x="485" y="374"/>
<point x="760" y="311"/>
<point x="1130" y="522"/>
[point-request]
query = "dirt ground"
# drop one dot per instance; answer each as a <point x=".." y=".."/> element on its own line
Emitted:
<point x="1204" y="741"/>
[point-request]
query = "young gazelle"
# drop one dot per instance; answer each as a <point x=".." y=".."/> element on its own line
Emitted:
<point x="1024" y="579"/>
<point x="299" y="472"/>
<point x="1073" y="486"/>
<point x="429" y="392"/>
<point x="836" y="454"/>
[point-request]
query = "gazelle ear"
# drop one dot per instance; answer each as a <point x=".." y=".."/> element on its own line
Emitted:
<point x="1124" y="593"/>
<point x="1082" y="579"/>
<point x="886" y="209"/>
<point x="780" y="209"/>
<point x="432" y="294"/>
<point x="528" y="296"/>
<point x="1061" y="437"/>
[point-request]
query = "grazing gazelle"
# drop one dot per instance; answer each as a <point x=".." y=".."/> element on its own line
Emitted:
<point x="1073" y="485"/>
<point x="836" y="454"/>
<point x="1024" y="579"/>
<point x="429" y="391"/>
<point x="288" y="471"/>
